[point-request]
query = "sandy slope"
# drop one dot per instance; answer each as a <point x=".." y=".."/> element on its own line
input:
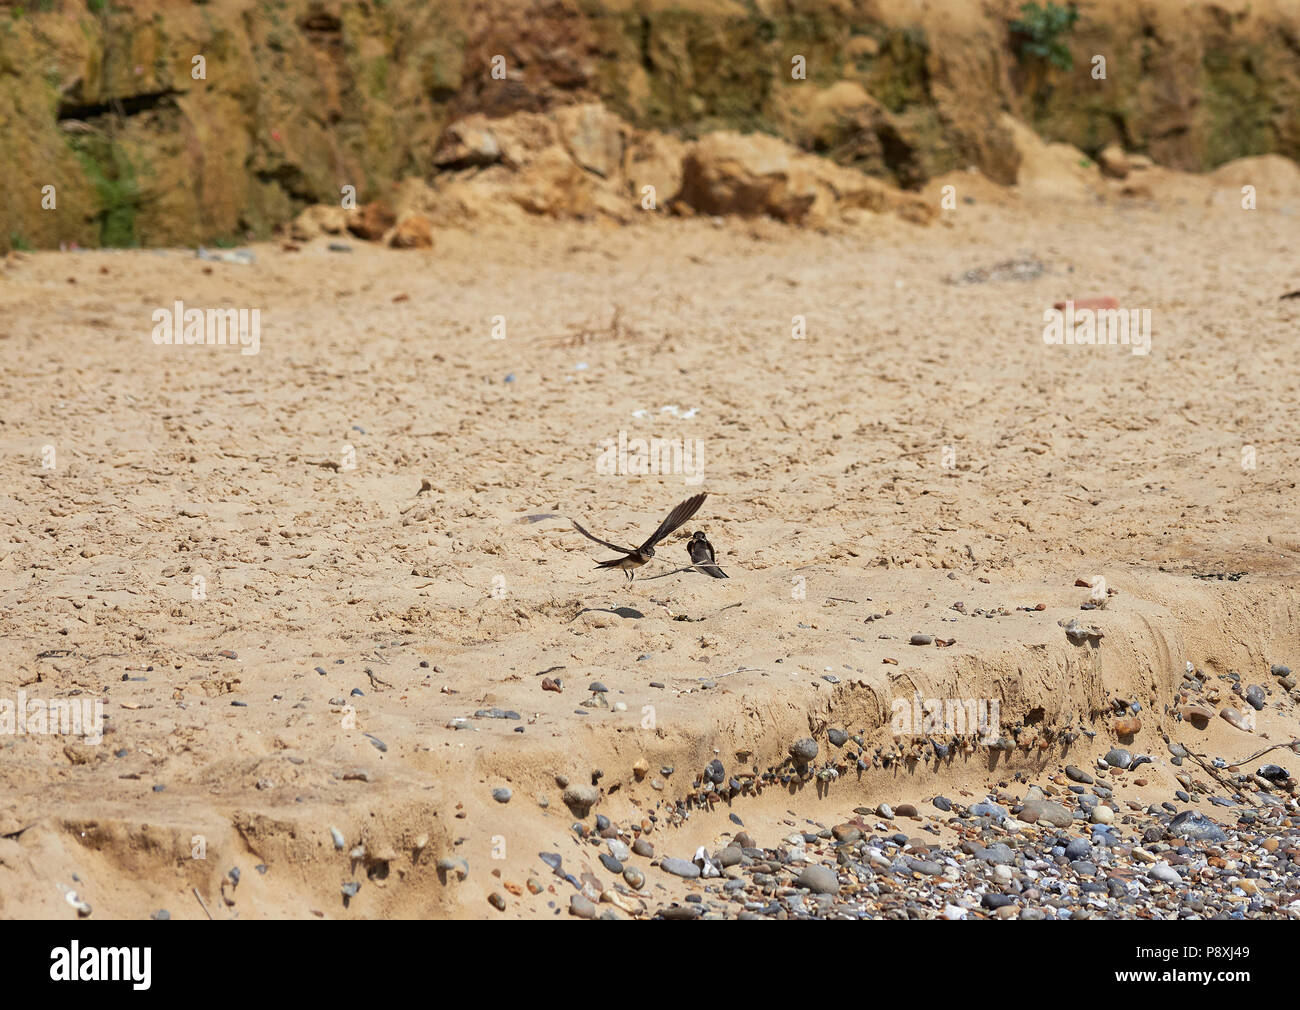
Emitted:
<point x="823" y="459"/>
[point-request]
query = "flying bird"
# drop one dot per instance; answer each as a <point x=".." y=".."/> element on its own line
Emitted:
<point x="701" y="552"/>
<point x="635" y="557"/>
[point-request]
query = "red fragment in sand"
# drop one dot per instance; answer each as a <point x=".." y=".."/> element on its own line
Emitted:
<point x="1095" y="304"/>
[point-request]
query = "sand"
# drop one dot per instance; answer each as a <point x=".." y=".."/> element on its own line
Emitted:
<point x="921" y="446"/>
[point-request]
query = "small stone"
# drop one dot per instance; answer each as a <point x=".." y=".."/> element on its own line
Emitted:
<point x="1078" y="775"/>
<point x="634" y="877"/>
<point x="581" y="906"/>
<point x="1164" y="872"/>
<point x="1047" y="811"/>
<point x="1192" y="825"/>
<point x="580" y="799"/>
<point x="818" y="879"/>
<point x="449" y="865"/>
<point x="502" y="795"/>
<point x="804" y="750"/>
<point x="1273" y="773"/>
<point x="498" y="901"/>
<point x="1118" y="757"/>
<point x="1198" y="715"/>
<point x="1127" y="725"/>
<point x="680" y="868"/>
<point x="837" y="737"/>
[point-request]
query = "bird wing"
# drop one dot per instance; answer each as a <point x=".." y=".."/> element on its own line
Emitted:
<point x="675" y="518"/>
<point x="603" y="543"/>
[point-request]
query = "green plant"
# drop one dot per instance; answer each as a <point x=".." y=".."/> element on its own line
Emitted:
<point x="114" y="179"/>
<point x="1040" y="30"/>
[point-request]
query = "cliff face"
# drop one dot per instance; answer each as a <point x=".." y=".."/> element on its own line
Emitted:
<point x="299" y="98"/>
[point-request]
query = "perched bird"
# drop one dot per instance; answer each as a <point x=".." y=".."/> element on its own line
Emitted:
<point x="635" y="557"/>
<point x="701" y="552"/>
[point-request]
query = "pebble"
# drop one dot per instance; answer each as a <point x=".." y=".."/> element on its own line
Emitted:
<point x="1118" y="757"/>
<point x="804" y="750"/>
<point x="1193" y="825"/>
<point x="1164" y="872"/>
<point x="819" y="879"/>
<point x="680" y="867"/>
<point x="1047" y="811"/>
<point x="502" y="794"/>
<point x="459" y="867"/>
<point x="580" y="799"/>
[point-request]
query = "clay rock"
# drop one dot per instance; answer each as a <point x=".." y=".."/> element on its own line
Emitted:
<point x="318" y="219"/>
<point x="371" y="221"/>
<point x="594" y="137"/>
<point x="757" y="175"/>
<point x="1051" y="171"/>
<point x="415" y="231"/>
<point x="847" y="125"/>
<point x="654" y="160"/>
<point x="1114" y="162"/>
<point x="467" y="143"/>
<point x="475" y="141"/>
<point x="554" y="185"/>
<point x="1268" y="173"/>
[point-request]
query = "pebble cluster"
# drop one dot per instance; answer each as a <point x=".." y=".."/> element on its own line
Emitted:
<point x="1070" y="848"/>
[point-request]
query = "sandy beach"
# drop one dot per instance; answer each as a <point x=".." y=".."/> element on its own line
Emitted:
<point x="344" y="635"/>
